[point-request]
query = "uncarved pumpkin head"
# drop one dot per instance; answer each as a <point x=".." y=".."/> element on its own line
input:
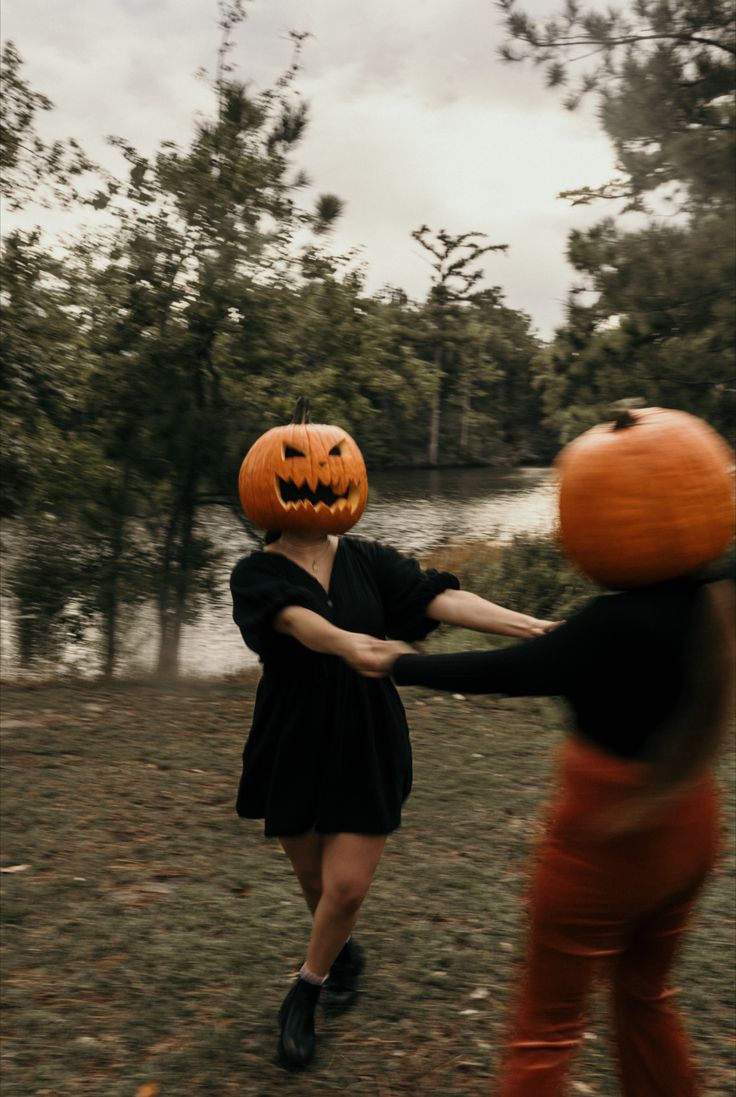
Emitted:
<point x="304" y="477"/>
<point x="646" y="498"/>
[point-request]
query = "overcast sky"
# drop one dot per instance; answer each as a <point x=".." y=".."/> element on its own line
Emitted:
<point x="413" y="118"/>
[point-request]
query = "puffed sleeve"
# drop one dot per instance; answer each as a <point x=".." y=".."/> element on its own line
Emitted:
<point x="258" y="595"/>
<point x="406" y="590"/>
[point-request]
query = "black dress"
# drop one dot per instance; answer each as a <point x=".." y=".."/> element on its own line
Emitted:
<point x="329" y="749"/>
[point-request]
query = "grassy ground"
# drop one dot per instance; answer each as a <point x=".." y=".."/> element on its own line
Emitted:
<point x="150" y="935"/>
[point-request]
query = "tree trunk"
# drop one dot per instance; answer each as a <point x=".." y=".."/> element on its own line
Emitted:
<point x="174" y="593"/>
<point x="111" y="629"/>
<point x="167" y="650"/>
<point x="434" y="429"/>
<point x="111" y="593"/>
<point x="465" y="418"/>
<point x="433" y="454"/>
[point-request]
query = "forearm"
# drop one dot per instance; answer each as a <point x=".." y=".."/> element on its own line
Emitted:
<point x="539" y="667"/>
<point x="461" y="607"/>
<point x="465" y="672"/>
<point x="311" y="630"/>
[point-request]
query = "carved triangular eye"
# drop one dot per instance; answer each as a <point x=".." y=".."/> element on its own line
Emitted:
<point x="335" y="451"/>
<point x="289" y="451"/>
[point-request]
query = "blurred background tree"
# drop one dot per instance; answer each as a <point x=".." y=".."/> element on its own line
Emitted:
<point x="653" y="312"/>
<point x="141" y="358"/>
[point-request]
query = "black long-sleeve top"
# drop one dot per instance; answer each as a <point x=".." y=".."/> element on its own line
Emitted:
<point x="619" y="662"/>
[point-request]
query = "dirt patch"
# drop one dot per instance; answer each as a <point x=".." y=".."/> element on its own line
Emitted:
<point x="150" y="935"/>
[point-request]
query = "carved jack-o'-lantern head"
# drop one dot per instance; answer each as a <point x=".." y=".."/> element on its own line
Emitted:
<point x="304" y="477"/>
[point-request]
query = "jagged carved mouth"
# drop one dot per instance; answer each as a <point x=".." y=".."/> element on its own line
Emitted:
<point x="296" y="495"/>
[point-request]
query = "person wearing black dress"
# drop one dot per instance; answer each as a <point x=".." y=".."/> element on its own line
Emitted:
<point x="327" y="763"/>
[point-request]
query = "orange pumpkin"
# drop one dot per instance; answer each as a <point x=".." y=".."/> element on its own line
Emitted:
<point x="304" y="477"/>
<point x="646" y="498"/>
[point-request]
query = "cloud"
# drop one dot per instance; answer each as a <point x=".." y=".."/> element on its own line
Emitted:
<point x="413" y="118"/>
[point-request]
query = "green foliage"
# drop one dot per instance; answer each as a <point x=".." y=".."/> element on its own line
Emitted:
<point x="41" y="583"/>
<point x="141" y="363"/>
<point x="663" y="72"/>
<point x="32" y="169"/>
<point x="506" y="400"/>
<point x="40" y="372"/>
<point x="451" y="343"/>
<point x="528" y="573"/>
<point x="652" y="315"/>
<point x="532" y="573"/>
<point x="661" y="326"/>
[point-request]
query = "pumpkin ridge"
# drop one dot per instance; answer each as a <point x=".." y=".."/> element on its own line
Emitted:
<point x="320" y="488"/>
<point x="646" y="503"/>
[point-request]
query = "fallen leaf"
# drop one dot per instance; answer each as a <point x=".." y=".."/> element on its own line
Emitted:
<point x="15" y="868"/>
<point x="150" y="1089"/>
<point x="481" y="992"/>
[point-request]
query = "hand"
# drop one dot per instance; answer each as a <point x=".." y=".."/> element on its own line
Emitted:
<point x="538" y="627"/>
<point x="385" y="653"/>
<point x="371" y="657"/>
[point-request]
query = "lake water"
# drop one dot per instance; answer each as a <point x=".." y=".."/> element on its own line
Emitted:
<point x="415" y="511"/>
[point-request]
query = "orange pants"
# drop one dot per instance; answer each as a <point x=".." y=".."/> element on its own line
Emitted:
<point x="618" y="902"/>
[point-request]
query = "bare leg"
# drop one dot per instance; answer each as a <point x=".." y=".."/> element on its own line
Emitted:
<point x="305" y="853"/>
<point x="349" y="862"/>
<point x="335" y="872"/>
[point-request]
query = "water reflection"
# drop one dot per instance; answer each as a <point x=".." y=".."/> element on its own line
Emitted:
<point x="414" y="510"/>
<point x="419" y="510"/>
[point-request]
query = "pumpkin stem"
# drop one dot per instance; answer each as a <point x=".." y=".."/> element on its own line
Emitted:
<point x="621" y="412"/>
<point x="623" y="419"/>
<point x="301" y="411"/>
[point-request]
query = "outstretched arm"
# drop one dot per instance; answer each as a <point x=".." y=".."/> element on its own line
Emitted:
<point x="548" y="665"/>
<point x="461" y="607"/>
<point x="317" y="634"/>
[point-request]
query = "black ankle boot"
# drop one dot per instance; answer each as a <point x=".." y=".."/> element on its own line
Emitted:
<point x="342" y="982"/>
<point x="296" y="1016"/>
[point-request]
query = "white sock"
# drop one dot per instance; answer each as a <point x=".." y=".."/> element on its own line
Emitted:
<point x="310" y="977"/>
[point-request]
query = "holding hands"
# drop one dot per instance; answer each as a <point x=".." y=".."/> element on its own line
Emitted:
<point x="371" y="657"/>
<point x="538" y="627"/>
<point x="375" y="658"/>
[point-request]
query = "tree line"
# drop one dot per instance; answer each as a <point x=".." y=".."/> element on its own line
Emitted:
<point x="142" y="360"/>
